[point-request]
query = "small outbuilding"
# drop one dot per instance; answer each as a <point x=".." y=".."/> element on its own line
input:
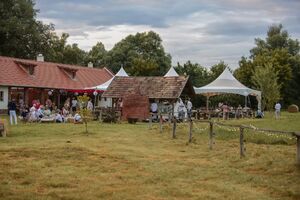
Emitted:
<point x="136" y="93"/>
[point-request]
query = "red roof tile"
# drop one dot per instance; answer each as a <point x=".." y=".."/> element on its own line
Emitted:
<point x="49" y="75"/>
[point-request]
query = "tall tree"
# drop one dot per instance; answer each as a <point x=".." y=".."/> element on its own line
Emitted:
<point x="198" y="74"/>
<point x="266" y="80"/>
<point x="282" y="53"/>
<point x="217" y="69"/>
<point x="140" y="54"/>
<point x="97" y="55"/>
<point x="21" y="35"/>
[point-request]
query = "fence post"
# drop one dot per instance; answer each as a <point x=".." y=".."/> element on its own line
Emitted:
<point x="242" y="149"/>
<point x="191" y="129"/>
<point x="174" y="127"/>
<point x="150" y="121"/>
<point x="160" y="123"/>
<point x="210" y="135"/>
<point x="298" y="149"/>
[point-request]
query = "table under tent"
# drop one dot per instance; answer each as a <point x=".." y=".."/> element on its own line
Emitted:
<point x="226" y="83"/>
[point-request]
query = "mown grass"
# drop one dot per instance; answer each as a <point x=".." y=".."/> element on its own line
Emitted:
<point x="124" y="161"/>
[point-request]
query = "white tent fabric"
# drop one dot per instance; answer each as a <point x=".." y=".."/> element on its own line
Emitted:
<point x="227" y="83"/>
<point x="105" y="85"/>
<point x="171" y="72"/>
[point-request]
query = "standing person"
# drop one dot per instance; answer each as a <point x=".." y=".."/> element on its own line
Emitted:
<point x="12" y="111"/>
<point x="225" y="111"/>
<point x="154" y="109"/>
<point x="21" y="104"/>
<point x="180" y="110"/>
<point x="74" y="105"/>
<point x="67" y="103"/>
<point x="277" y="110"/>
<point x="189" y="106"/>
<point x="90" y="105"/>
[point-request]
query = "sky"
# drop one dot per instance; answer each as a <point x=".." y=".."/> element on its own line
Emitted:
<point x="202" y="31"/>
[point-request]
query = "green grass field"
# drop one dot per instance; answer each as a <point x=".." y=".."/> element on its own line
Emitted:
<point x="124" y="161"/>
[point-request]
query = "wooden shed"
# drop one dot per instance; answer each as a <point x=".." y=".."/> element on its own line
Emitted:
<point x="135" y="91"/>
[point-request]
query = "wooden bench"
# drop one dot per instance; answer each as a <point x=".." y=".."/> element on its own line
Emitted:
<point x="132" y="120"/>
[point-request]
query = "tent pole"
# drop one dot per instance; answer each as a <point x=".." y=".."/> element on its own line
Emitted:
<point x="245" y="101"/>
<point x="207" y="97"/>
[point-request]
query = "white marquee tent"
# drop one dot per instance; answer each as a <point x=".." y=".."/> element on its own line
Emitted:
<point x="171" y="72"/>
<point x="227" y="83"/>
<point x="105" y="85"/>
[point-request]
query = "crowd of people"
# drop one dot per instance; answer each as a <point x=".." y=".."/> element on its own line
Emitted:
<point x="181" y="110"/>
<point x="69" y="111"/>
<point x="38" y="112"/>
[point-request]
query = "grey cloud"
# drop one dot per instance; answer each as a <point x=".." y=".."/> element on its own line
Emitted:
<point x="235" y="27"/>
<point x="202" y="31"/>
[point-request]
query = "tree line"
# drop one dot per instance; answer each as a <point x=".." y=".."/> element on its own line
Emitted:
<point x="272" y="67"/>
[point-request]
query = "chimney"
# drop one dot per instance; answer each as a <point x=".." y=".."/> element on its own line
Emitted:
<point x="90" y="64"/>
<point x="40" y="57"/>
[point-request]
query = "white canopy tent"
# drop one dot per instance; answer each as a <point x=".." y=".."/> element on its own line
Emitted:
<point x="105" y="85"/>
<point x="226" y="83"/>
<point x="171" y="72"/>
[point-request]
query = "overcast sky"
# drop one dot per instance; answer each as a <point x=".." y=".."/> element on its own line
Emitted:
<point x="203" y="31"/>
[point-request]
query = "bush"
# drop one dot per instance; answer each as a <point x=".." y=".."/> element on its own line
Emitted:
<point x="293" y="108"/>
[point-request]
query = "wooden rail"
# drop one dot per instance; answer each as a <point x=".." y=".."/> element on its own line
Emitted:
<point x="241" y="130"/>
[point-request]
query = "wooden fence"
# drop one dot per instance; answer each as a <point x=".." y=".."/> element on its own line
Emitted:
<point x="241" y="133"/>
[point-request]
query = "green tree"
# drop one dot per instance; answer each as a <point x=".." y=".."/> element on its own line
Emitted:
<point x="199" y="76"/>
<point x="21" y="35"/>
<point x="72" y="54"/>
<point x="282" y="53"/>
<point x="140" y="54"/>
<point x="266" y="80"/>
<point x="216" y="70"/>
<point x="84" y="112"/>
<point x="245" y="72"/>
<point x="97" y="55"/>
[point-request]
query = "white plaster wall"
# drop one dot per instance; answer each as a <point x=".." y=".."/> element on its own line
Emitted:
<point x="104" y="104"/>
<point x="3" y="104"/>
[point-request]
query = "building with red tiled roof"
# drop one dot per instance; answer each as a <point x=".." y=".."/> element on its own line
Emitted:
<point x="31" y="79"/>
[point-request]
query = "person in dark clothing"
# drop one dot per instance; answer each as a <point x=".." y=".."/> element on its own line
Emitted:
<point x="12" y="111"/>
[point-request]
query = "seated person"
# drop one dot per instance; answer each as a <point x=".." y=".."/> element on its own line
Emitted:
<point x="77" y="118"/>
<point x="40" y="112"/>
<point x="25" y="113"/>
<point x="58" y="117"/>
<point x="47" y="112"/>
<point x="32" y="114"/>
<point x="259" y="114"/>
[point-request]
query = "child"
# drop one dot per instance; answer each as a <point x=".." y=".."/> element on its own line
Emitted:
<point x="58" y="117"/>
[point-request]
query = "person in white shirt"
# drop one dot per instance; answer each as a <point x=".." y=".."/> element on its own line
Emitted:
<point x="153" y="109"/>
<point x="77" y="118"/>
<point x="189" y="106"/>
<point x="277" y="110"/>
<point x="180" y="110"/>
<point x="90" y="105"/>
<point x="58" y="117"/>
<point x="32" y="114"/>
<point x="74" y="104"/>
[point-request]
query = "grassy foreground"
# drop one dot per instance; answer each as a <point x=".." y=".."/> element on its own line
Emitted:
<point x="123" y="161"/>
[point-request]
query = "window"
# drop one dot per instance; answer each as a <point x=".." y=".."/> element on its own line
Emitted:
<point x="1" y="96"/>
